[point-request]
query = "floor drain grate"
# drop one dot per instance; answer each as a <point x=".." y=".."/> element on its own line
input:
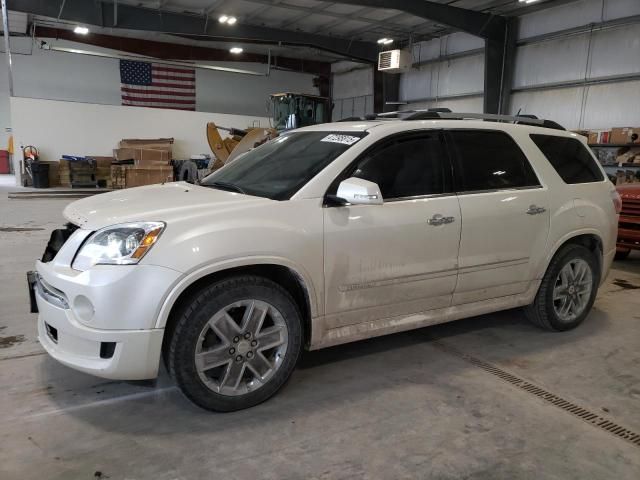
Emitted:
<point x="576" y="410"/>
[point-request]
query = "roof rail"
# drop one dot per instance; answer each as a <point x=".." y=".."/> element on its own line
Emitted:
<point x="446" y="114"/>
<point x="519" y="119"/>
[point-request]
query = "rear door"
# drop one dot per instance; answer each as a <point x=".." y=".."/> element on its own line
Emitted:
<point x="505" y="215"/>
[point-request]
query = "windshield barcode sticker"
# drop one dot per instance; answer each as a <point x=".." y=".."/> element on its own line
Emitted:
<point x="344" y="139"/>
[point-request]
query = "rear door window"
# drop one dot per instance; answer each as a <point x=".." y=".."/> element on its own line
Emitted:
<point x="489" y="160"/>
<point x="569" y="157"/>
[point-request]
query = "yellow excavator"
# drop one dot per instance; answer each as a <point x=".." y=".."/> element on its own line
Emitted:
<point x="289" y="110"/>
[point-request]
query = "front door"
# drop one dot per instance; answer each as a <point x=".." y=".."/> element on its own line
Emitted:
<point x="505" y="215"/>
<point x="399" y="258"/>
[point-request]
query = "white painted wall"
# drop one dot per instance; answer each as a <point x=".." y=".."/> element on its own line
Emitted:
<point x="54" y="75"/>
<point x="75" y="128"/>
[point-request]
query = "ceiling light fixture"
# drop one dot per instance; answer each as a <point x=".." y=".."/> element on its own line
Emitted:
<point x="81" y="30"/>
<point x="385" y="41"/>
<point x="227" y="19"/>
<point x="235" y="50"/>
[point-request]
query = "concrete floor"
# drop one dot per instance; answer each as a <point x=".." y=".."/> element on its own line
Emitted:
<point x="401" y="406"/>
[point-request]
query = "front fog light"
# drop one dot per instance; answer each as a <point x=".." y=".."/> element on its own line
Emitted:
<point x="123" y="244"/>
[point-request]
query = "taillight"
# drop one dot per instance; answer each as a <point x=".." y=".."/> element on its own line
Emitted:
<point x="617" y="201"/>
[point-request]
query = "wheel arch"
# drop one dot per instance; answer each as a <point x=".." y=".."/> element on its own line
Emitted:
<point x="297" y="283"/>
<point x="588" y="238"/>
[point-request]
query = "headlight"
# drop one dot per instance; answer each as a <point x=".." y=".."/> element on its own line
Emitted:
<point x="123" y="244"/>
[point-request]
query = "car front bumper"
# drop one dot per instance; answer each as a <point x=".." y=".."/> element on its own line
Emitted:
<point x="101" y="321"/>
<point x="114" y="354"/>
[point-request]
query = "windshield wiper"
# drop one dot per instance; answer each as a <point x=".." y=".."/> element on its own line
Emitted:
<point x="226" y="186"/>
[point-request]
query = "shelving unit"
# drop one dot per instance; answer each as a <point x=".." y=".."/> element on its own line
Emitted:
<point x="614" y="145"/>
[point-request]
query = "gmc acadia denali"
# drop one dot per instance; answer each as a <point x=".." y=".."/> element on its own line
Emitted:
<point x="326" y="235"/>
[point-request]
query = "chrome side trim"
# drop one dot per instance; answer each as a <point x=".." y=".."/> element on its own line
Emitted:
<point x="491" y="190"/>
<point x="420" y="197"/>
<point x="493" y="265"/>
<point x="50" y="294"/>
<point x="397" y="280"/>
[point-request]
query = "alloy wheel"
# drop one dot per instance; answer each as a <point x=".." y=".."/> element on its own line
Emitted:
<point x="572" y="290"/>
<point x="241" y="347"/>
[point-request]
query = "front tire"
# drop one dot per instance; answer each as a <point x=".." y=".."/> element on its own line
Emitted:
<point x="567" y="291"/>
<point x="236" y="343"/>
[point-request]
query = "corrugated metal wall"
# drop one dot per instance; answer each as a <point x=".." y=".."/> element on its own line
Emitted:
<point x="577" y="63"/>
<point x="586" y="76"/>
<point x="449" y="73"/>
<point x="352" y="90"/>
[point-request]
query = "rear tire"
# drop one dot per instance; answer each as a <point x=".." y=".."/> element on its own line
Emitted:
<point x="567" y="291"/>
<point x="622" y="254"/>
<point x="236" y="343"/>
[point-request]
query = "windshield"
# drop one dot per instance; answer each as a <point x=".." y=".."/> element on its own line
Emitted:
<point x="281" y="167"/>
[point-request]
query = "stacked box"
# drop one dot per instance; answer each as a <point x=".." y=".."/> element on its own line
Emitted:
<point x="119" y="176"/>
<point x="599" y="136"/>
<point x="137" y="177"/>
<point x="64" y="173"/>
<point x="625" y="135"/>
<point x="151" y="162"/>
<point x="103" y="170"/>
<point x="145" y="152"/>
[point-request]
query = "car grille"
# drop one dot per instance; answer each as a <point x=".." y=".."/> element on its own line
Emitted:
<point x="630" y="207"/>
<point x="57" y="240"/>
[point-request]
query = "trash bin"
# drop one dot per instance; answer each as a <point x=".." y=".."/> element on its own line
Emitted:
<point x="40" y="172"/>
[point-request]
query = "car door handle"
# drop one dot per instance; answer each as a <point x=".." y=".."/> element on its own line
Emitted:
<point x="439" y="219"/>
<point x="535" y="210"/>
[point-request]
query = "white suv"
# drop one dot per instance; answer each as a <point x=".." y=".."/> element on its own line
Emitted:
<point x="326" y="235"/>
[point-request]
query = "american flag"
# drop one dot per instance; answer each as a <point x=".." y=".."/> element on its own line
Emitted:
<point x="144" y="84"/>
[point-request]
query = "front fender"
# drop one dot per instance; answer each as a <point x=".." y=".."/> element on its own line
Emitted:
<point x="190" y="277"/>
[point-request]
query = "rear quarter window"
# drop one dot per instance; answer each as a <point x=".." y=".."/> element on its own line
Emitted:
<point x="570" y="158"/>
<point x="489" y="160"/>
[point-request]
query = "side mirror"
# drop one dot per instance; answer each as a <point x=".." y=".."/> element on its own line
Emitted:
<point x="356" y="191"/>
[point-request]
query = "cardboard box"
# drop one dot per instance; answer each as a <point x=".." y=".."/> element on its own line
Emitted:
<point x="165" y="143"/>
<point x="150" y="157"/>
<point x="624" y="135"/>
<point x="126" y="153"/>
<point x="119" y="176"/>
<point x="137" y="177"/>
<point x="599" y="136"/>
<point x="142" y="156"/>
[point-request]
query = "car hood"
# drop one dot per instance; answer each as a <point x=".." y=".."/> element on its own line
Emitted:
<point x="166" y="202"/>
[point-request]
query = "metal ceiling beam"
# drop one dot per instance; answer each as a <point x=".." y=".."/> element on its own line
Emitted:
<point x="484" y="25"/>
<point x="328" y="13"/>
<point x="173" y="51"/>
<point x="145" y="19"/>
<point x="498" y="33"/>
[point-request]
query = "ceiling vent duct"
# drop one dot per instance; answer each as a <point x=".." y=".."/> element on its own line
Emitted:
<point x="394" y="61"/>
<point x="17" y="23"/>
